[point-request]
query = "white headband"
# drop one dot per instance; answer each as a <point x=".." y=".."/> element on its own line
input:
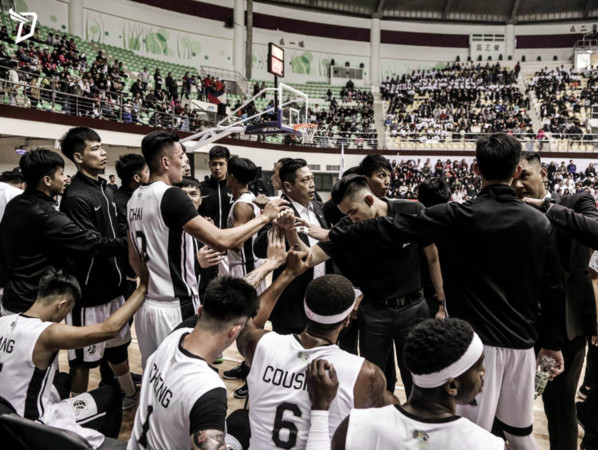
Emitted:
<point x="327" y="320"/>
<point x="458" y="368"/>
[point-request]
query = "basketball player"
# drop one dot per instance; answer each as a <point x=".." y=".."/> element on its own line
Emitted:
<point x="90" y="204"/>
<point x="164" y="222"/>
<point x="29" y="345"/>
<point x="241" y="260"/>
<point x="183" y="400"/>
<point x="206" y="257"/>
<point x="499" y="264"/>
<point x="133" y="172"/>
<point x="280" y="407"/>
<point x="446" y="359"/>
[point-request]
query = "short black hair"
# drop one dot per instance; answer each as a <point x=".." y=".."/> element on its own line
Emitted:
<point x="59" y="284"/>
<point x="219" y="151"/>
<point x="128" y="166"/>
<point x="531" y="156"/>
<point x="14" y="176"/>
<point x="189" y="182"/>
<point x="283" y="160"/>
<point x="348" y="185"/>
<point x="351" y="171"/>
<point x="154" y="144"/>
<point x="243" y="169"/>
<point x="373" y="163"/>
<point x="288" y="169"/>
<point x="435" y="344"/>
<point x="227" y="299"/>
<point x="497" y="156"/>
<point x="36" y="164"/>
<point x="328" y="295"/>
<point x="434" y="191"/>
<point x="75" y="140"/>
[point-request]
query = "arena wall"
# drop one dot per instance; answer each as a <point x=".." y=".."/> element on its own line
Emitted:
<point x="199" y="40"/>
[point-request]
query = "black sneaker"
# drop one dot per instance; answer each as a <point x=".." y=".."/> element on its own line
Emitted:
<point x="238" y="372"/>
<point x="241" y="392"/>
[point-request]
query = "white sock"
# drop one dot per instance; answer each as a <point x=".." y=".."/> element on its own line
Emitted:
<point x="126" y="384"/>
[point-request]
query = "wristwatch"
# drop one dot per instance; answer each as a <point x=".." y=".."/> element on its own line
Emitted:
<point x="441" y="302"/>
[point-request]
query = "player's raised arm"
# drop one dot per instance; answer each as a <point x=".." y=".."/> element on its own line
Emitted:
<point x="60" y="336"/>
<point x="221" y="240"/>
<point x="252" y="333"/>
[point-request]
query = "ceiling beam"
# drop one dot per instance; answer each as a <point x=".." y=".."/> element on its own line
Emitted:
<point x="379" y="10"/>
<point x="447" y="8"/>
<point x="514" y="11"/>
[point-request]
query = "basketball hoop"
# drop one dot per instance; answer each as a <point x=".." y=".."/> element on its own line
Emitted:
<point x="307" y="130"/>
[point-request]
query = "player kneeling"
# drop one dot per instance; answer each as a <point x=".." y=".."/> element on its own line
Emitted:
<point x="29" y="345"/>
<point x="445" y="358"/>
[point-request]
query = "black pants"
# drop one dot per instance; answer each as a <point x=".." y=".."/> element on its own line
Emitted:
<point x="237" y="425"/>
<point x="379" y="326"/>
<point x="591" y="374"/>
<point x="559" y="398"/>
<point x="589" y="408"/>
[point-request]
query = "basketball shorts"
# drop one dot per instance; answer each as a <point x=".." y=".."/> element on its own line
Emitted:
<point x="72" y="414"/>
<point x="508" y="392"/>
<point x="91" y="355"/>
<point x="154" y="321"/>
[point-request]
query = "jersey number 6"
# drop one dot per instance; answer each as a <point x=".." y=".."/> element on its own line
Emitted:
<point x="281" y="424"/>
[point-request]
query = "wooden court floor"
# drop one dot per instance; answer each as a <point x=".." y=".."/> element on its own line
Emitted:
<point x="232" y="358"/>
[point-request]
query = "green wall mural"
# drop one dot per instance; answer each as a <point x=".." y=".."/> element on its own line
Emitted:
<point x="138" y="36"/>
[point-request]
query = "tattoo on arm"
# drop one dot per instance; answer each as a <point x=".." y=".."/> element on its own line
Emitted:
<point x="376" y="391"/>
<point x="208" y="440"/>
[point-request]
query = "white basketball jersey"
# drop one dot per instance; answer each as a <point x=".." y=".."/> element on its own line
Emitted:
<point x="24" y="386"/>
<point x="391" y="428"/>
<point x="241" y="262"/>
<point x="280" y="410"/>
<point x="170" y="253"/>
<point x="173" y="381"/>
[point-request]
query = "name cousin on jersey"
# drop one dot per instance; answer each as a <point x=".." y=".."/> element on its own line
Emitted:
<point x="284" y="378"/>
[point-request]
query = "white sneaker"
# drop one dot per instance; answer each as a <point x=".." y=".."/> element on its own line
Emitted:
<point x="131" y="402"/>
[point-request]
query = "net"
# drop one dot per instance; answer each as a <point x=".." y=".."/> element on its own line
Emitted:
<point x="307" y="132"/>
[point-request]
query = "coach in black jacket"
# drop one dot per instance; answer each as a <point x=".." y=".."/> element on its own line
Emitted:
<point x="297" y="180"/>
<point x="575" y="220"/>
<point x="499" y="262"/>
<point x="217" y="199"/>
<point x="36" y="238"/>
<point x="216" y="195"/>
